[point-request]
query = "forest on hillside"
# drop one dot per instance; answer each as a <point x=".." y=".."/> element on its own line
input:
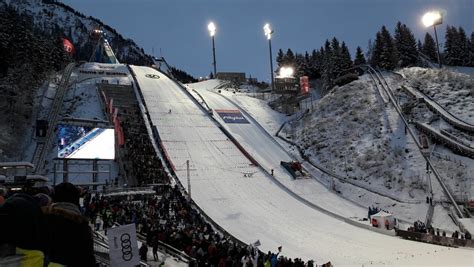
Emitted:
<point x="387" y="51"/>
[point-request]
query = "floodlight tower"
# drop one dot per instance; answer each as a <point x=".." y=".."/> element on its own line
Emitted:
<point x="434" y="18"/>
<point x="212" y="31"/>
<point x="268" y="32"/>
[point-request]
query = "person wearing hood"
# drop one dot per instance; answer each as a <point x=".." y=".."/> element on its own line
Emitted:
<point x="68" y="233"/>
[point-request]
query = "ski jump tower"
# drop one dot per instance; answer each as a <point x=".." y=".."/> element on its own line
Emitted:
<point x="102" y="52"/>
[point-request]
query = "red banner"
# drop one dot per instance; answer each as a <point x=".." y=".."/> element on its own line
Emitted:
<point x="304" y="85"/>
<point x="68" y="47"/>
<point x="111" y="106"/>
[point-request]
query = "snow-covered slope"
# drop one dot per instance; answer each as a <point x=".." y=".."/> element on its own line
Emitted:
<point x="53" y="17"/>
<point x="254" y="207"/>
<point x="351" y="133"/>
<point x="452" y="90"/>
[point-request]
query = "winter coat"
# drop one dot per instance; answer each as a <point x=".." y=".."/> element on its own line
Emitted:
<point x="143" y="252"/>
<point x="68" y="235"/>
<point x="22" y="223"/>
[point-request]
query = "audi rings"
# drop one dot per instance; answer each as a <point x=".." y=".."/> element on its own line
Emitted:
<point x="152" y="76"/>
<point x="126" y="245"/>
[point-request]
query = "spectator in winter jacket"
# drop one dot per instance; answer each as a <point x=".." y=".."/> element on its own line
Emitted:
<point x="68" y="235"/>
<point x="143" y="252"/>
<point x="21" y="223"/>
<point x="2" y="195"/>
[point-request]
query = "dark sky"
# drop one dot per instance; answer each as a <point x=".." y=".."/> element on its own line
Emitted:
<point x="179" y="27"/>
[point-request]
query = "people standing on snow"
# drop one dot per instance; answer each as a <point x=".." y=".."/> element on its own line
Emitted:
<point x="143" y="252"/>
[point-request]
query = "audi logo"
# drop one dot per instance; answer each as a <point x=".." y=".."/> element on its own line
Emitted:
<point x="126" y="245"/>
<point x="153" y="76"/>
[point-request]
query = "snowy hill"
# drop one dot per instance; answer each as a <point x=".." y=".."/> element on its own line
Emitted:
<point x="453" y="90"/>
<point x="350" y="133"/>
<point x="55" y="17"/>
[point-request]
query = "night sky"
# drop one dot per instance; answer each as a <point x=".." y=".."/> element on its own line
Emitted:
<point x="178" y="28"/>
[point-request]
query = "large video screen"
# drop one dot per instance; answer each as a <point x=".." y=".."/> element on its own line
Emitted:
<point x="79" y="142"/>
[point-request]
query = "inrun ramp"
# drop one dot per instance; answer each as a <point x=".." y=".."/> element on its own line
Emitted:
<point x="254" y="208"/>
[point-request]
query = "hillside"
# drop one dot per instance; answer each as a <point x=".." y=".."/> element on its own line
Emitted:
<point x="350" y="133"/>
<point x="28" y="57"/>
<point x="57" y="18"/>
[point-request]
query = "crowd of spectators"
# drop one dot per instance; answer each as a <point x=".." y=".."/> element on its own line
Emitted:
<point x="144" y="165"/>
<point x="172" y="220"/>
<point x="45" y="228"/>
<point x="168" y="218"/>
<point x="420" y="227"/>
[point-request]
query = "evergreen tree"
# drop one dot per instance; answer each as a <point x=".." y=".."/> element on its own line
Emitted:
<point x="359" y="57"/>
<point x="280" y="59"/>
<point x="429" y="48"/>
<point x="328" y="65"/>
<point x="290" y="58"/>
<point x="370" y="51"/>
<point x="299" y="68"/>
<point x="316" y="63"/>
<point x="463" y="47"/>
<point x="384" y="53"/>
<point x="183" y="76"/>
<point x="471" y="50"/>
<point x="452" y="48"/>
<point x="405" y="43"/>
<point x="346" y="60"/>
<point x="419" y="45"/>
<point x="336" y="58"/>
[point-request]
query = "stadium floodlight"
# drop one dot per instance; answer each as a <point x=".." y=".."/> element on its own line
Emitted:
<point x="212" y="31"/>
<point x="212" y="28"/>
<point x="286" y="72"/>
<point x="268" y="33"/>
<point x="434" y="18"/>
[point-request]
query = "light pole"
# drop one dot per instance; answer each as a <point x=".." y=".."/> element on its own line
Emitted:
<point x="212" y="31"/>
<point x="268" y="32"/>
<point x="434" y="18"/>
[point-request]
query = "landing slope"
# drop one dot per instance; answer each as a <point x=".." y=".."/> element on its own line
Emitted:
<point x="255" y="208"/>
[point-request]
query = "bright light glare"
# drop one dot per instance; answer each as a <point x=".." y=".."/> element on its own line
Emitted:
<point x="212" y="28"/>
<point x="286" y="72"/>
<point x="268" y="31"/>
<point x="432" y="18"/>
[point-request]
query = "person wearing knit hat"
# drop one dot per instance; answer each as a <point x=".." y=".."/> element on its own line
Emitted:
<point x="42" y="199"/>
<point x="66" y="192"/>
<point x="70" y="239"/>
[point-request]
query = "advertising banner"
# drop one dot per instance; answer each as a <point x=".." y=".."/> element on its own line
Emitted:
<point x="232" y="116"/>
<point x="123" y="246"/>
<point x="304" y="85"/>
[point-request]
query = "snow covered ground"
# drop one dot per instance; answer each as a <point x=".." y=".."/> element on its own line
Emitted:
<point x="255" y="207"/>
<point x="268" y="153"/>
<point x="456" y="171"/>
<point x="452" y="90"/>
<point x="82" y="101"/>
<point x="409" y="211"/>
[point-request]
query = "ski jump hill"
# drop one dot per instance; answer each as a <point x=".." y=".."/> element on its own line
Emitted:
<point x="234" y="188"/>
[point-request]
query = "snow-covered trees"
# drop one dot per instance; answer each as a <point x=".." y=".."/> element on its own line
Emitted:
<point x="27" y="55"/>
<point x="384" y="54"/>
<point x="185" y="77"/>
<point x="405" y="44"/>
<point x="359" y="57"/>
<point x="429" y="48"/>
<point x="327" y="62"/>
<point x="456" y="47"/>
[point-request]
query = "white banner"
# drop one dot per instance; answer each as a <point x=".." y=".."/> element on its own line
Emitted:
<point x="123" y="246"/>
